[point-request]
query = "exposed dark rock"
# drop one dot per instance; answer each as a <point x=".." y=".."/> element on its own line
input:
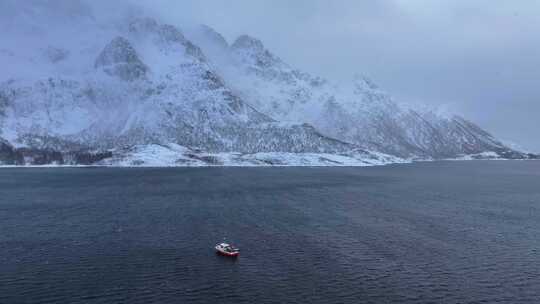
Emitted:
<point x="41" y="157"/>
<point x="120" y="59"/>
<point x="34" y="156"/>
<point x="8" y="155"/>
<point x="87" y="158"/>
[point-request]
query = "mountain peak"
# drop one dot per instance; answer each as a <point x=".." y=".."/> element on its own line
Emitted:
<point x="252" y="51"/>
<point x="214" y="36"/>
<point x="248" y="42"/>
<point x="364" y="83"/>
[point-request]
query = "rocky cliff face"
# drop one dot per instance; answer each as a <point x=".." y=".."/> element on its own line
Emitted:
<point x="85" y="90"/>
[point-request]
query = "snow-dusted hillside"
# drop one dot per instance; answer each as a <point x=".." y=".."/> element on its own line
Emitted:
<point x="80" y="86"/>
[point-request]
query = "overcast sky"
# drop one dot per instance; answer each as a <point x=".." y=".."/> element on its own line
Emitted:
<point x="480" y="58"/>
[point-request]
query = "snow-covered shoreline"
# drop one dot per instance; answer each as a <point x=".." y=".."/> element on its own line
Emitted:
<point x="173" y="155"/>
<point x="247" y="165"/>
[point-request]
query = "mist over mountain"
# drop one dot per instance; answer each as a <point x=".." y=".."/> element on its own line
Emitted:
<point x="475" y="57"/>
<point x="86" y="84"/>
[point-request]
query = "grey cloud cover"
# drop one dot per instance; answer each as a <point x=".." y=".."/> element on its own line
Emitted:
<point x="476" y="57"/>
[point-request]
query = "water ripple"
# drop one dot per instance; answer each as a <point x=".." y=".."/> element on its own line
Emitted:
<point x="403" y="234"/>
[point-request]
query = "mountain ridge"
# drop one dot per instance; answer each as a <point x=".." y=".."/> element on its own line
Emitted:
<point x="359" y="112"/>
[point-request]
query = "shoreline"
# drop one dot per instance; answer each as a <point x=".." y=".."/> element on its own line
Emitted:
<point x="248" y="166"/>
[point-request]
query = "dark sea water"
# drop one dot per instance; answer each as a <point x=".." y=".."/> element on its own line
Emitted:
<point x="444" y="232"/>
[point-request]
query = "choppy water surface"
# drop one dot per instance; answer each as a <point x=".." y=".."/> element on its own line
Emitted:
<point x="448" y="232"/>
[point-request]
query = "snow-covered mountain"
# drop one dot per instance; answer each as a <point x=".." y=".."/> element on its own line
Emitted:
<point x="84" y="89"/>
<point x="81" y="87"/>
<point x="358" y="112"/>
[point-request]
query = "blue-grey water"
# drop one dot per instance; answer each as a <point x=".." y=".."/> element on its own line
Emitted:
<point x="442" y="232"/>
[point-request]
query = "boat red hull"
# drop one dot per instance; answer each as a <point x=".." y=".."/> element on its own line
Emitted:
<point x="228" y="254"/>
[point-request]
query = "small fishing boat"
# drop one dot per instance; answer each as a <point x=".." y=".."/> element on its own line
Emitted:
<point x="227" y="250"/>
